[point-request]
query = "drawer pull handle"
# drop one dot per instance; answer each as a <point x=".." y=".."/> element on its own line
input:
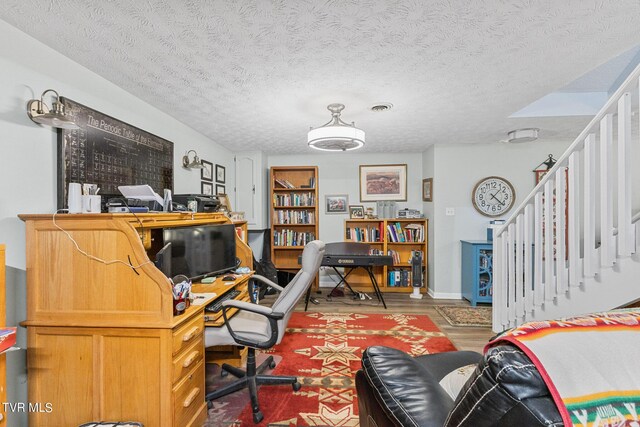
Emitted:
<point x="192" y="358"/>
<point x="192" y="333"/>
<point x="192" y="396"/>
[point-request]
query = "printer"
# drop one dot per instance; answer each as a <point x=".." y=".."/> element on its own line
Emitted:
<point x="198" y="202"/>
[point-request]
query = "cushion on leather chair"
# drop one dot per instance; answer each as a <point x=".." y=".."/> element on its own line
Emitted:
<point x="410" y="393"/>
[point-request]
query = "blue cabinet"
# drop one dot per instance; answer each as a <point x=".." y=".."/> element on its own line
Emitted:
<point x="477" y="271"/>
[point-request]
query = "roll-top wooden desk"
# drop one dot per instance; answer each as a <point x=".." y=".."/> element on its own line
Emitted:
<point x="103" y="343"/>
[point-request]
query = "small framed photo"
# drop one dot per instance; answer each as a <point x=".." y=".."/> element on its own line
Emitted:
<point x="206" y="173"/>
<point x="336" y="203"/>
<point x="427" y="190"/>
<point x="220" y="174"/>
<point x="383" y="182"/>
<point x="206" y="188"/>
<point x="356" y="212"/>
<point x="220" y="189"/>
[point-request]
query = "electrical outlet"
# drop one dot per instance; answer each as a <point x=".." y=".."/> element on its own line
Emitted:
<point x="450" y="211"/>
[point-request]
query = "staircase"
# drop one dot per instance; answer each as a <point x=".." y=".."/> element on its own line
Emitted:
<point x="583" y="258"/>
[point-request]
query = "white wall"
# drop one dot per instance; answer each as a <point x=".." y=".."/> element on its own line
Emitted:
<point x="457" y="169"/>
<point x="28" y="152"/>
<point x="338" y="173"/>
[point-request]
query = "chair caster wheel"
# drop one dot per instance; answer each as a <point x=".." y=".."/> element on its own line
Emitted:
<point x="257" y="417"/>
<point x="223" y="373"/>
<point x="209" y="404"/>
<point x="296" y="386"/>
<point x="272" y="365"/>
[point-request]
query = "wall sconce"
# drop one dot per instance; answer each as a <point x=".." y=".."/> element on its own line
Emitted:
<point x="40" y="113"/>
<point x="196" y="163"/>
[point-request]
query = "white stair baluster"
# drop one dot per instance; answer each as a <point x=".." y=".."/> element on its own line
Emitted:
<point x="607" y="251"/>
<point x="560" y="231"/>
<point x="538" y="250"/>
<point x="528" y="259"/>
<point x="589" y="192"/>
<point x="549" y="273"/>
<point x="575" y="262"/>
<point x="511" y="279"/>
<point x="624" y="172"/>
<point x="519" y="267"/>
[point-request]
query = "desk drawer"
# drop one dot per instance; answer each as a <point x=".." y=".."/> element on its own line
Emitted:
<point x="187" y="360"/>
<point x="186" y="335"/>
<point x="188" y="395"/>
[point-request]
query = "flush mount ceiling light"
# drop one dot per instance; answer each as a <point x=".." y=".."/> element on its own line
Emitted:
<point x="336" y="135"/>
<point x="522" y="135"/>
<point x="196" y="163"/>
<point x="38" y="111"/>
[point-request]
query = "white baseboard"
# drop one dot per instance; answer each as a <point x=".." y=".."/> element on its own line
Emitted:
<point x="444" y="295"/>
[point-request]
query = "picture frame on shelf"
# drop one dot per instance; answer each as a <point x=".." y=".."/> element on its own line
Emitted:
<point x="206" y="188"/>
<point x="220" y="189"/>
<point x="427" y="190"/>
<point x="225" y="203"/>
<point x="383" y="182"/>
<point x="206" y="173"/>
<point x="356" y="212"/>
<point x="221" y="174"/>
<point x="336" y="203"/>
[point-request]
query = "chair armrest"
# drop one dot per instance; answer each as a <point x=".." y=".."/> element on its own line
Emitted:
<point x="254" y="308"/>
<point x="267" y="282"/>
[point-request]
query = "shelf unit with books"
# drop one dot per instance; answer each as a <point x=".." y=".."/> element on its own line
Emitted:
<point x="294" y="214"/>
<point x="398" y="237"/>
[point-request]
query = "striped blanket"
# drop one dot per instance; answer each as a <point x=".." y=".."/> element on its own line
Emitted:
<point x="591" y="365"/>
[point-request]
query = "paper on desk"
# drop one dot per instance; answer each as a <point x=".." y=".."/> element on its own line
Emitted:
<point x="140" y="192"/>
<point x="201" y="298"/>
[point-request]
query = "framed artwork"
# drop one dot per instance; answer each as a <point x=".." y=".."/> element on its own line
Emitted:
<point x="225" y="203"/>
<point x="336" y="203"/>
<point x="383" y="182"/>
<point x="427" y="190"/>
<point x="356" y="212"/>
<point x="220" y="174"/>
<point x="206" y="188"/>
<point x="206" y="173"/>
<point x="220" y="189"/>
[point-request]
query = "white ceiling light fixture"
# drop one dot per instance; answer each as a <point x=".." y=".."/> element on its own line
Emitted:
<point x="336" y="135"/>
<point x="522" y="135"/>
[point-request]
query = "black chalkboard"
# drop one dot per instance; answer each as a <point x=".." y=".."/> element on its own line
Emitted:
<point x="110" y="153"/>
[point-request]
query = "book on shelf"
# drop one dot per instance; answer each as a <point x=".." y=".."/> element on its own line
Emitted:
<point x="283" y="183"/>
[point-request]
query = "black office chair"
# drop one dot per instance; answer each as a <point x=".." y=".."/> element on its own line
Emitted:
<point x="257" y="326"/>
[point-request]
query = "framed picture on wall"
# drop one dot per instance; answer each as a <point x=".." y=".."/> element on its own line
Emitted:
<point x="336" y="203"/>
<point x="356" y="212"/>
<point x="383" y="182"/>
<point x="427" y="190"/>
<point x="206" y="188"/>
<point x="220" y="189"/>
<point x="220" y="174"/>
<point x="206" y="173"/>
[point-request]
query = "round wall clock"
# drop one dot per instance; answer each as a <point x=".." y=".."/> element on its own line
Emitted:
<point x="493" y="196"/>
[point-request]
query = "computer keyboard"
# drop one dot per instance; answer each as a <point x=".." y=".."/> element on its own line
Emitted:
<point x="216" y="306"/>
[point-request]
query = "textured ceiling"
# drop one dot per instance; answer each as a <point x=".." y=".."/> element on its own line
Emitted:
<point x="256" y="74"/>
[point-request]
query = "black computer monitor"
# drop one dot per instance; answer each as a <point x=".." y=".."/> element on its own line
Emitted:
<point x="163" y="260"/>
<point x="200" y="251"/>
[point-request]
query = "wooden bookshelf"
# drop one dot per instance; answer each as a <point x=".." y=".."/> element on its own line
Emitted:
<point x="376" y="232"/>
<point x="294" y="214"/>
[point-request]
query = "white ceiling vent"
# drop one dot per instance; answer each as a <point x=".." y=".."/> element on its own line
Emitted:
<point x="522" y="135"/>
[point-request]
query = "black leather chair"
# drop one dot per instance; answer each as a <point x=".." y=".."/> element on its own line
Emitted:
<point x="505" y="390"/>
<point x="262" y="327"/>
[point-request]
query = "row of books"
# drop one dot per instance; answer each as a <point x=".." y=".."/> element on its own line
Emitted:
<point x="292" y="238"/>
<point x="295" y="217"/>
<point x="363" y="234"/>
<point x="395" y="255"/>
<point x="410" y="233"/>
<point x="284" y="183"/>
<point x="293" y="199"/>
<point x="399" y="278"/>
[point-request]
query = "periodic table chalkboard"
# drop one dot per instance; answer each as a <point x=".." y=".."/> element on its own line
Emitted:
<point x="110" y="153"/>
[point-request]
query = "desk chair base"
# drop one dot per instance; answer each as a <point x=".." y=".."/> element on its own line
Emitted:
<point x="252" y="378"/>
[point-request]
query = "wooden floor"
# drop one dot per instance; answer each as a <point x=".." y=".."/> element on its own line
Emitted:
<point x="464" y="338"/>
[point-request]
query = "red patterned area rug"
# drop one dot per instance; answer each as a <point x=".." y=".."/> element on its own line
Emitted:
<point x="324" y="350"/>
